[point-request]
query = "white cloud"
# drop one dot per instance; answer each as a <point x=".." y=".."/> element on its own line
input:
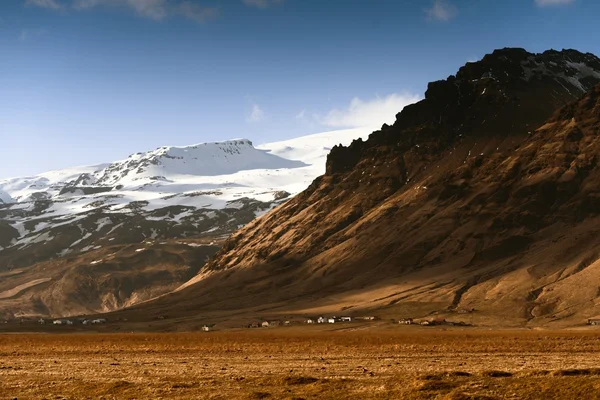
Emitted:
<point x="442" y="10"/>
<point x="377" y="111"/>
<point x="257" y="114"/>
<point x="44" y="4"/>
<point x="544" y="3"/>
<point x="154" y="9"/>
<point x="261" y="3"/>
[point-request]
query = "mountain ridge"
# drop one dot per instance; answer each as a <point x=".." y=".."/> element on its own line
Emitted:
<point x="73" y="232"/>
<point x="436" y="212"/>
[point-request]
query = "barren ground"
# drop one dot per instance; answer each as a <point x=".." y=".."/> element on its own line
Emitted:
<point x="295" y="363"/>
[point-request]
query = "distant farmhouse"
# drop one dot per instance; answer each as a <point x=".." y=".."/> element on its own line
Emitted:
<point x="62" y="322"/>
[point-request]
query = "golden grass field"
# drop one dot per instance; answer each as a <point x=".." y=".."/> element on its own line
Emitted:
<point x="299" y="363"/>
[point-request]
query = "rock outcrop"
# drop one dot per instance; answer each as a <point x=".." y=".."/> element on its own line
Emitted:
<point x="481" y="196"/>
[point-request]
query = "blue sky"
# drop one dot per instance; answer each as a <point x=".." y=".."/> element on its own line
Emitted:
<point x="90" y="81"/>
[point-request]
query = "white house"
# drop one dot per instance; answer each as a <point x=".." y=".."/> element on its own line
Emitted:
<point x="346" y="319"/>
<point x="265" y="324"/>
<point x="331" y="320"/>
<point x="62" y="322"/>
<point x="99" y="321"/>
<point x="310" y="321"/>
<point x="206" y="328"/>
<point x="321" y="320"/>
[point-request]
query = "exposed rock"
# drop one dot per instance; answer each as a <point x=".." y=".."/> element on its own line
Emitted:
<point x="476" y="197"/>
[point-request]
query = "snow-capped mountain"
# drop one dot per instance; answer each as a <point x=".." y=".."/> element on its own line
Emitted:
<point x="5" y="197"/>
<point x="204" y="190"/>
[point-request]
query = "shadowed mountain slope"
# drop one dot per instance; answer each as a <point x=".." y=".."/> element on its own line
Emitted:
<point x="479" y="196"/>
<point x="100" y="238"/>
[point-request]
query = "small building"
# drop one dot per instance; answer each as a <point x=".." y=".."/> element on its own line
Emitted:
<point x="331" y="320"/>
<point x="406" y="321"/>
<point x="346" y="319"/>
<point x="265" y="324"/>
<point x="62" y="322"/>
<point x="425" y="323"/>
<point x="593" y="321"/>
<point x="207" y="328"/>
<point x="309" y="321"/>
<point x="99" y="321"/>
<point x="321" y="320"/>
<point x="287" y="323"/>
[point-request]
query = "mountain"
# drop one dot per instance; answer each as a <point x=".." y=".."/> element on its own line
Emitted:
<point x="98" y="238"/>
<point x="5" y="198"/>
<point x="481" y="196"/>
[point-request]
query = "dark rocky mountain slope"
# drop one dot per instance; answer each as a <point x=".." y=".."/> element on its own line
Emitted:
<point x="481" y="196"/>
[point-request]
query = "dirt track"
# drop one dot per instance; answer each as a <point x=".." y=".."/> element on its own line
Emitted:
<point x="290" y="363"/>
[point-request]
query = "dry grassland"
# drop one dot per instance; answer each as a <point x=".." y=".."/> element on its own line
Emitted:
<point x="300" y="364"/>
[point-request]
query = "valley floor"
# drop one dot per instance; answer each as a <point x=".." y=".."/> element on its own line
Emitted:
<point x="301" y="364"/>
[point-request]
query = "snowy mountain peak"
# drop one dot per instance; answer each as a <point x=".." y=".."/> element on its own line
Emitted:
<point x="228" y="170"/>
<point x="204" y="159"/>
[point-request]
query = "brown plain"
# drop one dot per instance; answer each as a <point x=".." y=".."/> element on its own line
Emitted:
<point x="300" y="363"/>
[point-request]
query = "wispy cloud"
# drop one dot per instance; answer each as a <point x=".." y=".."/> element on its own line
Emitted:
<point x="257" y="114"/>
<point x="441" y="10"/>
<point x="372" y="112"/>
<point x="53" y="4"/>
<point x="261" y="3"/>
<point x="544" y="3"/>
<point x="152" y="9"/>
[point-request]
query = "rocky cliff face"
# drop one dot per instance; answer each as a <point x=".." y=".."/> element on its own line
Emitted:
<point x="480" y="195"/>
